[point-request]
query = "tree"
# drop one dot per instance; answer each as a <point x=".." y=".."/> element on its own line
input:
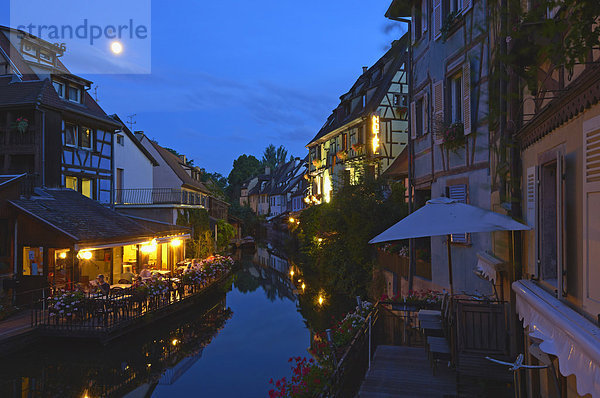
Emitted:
<point x="244" y="167"/>
<point x="273" y="157"/>
<point x="188" y="162"/>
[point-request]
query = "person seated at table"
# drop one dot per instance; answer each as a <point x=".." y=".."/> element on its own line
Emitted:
<point x="145" y="273"/>
<point x="103" y="286"/>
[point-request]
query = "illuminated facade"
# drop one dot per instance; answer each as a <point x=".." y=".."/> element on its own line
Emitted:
<point x="366" y="132"/>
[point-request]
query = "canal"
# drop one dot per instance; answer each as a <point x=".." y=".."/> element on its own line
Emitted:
<point x="228" y="346"/>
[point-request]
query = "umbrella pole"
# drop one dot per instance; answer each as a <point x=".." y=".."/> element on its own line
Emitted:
<point x="450" y="266"/>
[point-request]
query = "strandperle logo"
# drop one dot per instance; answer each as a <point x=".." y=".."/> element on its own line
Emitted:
<point x="87" y="31"/>
<point x="89" y="36"/>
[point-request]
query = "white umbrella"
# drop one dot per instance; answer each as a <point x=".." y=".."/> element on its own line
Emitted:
<point x="443" y="216"/>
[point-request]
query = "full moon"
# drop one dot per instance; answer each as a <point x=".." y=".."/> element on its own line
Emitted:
<point x="116" y="47"/>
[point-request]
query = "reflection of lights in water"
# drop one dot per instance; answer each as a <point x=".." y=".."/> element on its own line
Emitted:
<point x="320" y="240"/>
<point x="292" y="272"/>
<point x="303" y="287"/>
<point x="321" y="299"/>
<point x="116" y="47"/>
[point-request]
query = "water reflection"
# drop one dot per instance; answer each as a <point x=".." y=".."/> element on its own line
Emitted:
<point x="156" y="355"/>
<point x="267" y="269"/>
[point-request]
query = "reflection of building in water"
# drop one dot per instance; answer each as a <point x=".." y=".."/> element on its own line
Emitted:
<point x="268" y="258"/>
<point x="131" y="367"/>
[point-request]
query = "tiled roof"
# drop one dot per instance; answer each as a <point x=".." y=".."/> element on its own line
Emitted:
<point x="175" y="163"/>
<point x="81" y="218"/>
<point x="378" y="77"/>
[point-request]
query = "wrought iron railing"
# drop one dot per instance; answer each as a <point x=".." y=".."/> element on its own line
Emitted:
<point x="152" y="196"/>
<point x="99" y="313"/>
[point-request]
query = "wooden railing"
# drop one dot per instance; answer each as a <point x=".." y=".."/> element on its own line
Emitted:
<point x="11" y="137"/>
<point x="150" y="196"/>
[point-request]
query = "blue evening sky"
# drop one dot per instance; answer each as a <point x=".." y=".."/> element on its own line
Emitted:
<point x="231" y="77"/>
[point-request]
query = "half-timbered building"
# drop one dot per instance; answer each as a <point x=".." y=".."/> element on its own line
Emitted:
<point x="50" y="126"/>
<point x="367" y="130"/>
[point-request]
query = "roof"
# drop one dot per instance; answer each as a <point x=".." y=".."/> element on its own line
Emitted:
<point x="378" y="77"/>
<point x="134" y="139"/>
<point x="31" y="90"/>
<point x="399" y="167"/>
<point x="176" y="164"/>
<point x="399" y="9"/>
<point x="83" y="219"/>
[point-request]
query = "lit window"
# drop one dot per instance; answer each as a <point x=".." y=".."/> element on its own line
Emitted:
<point x="86" y="187"/>
<point x="85" y="137"/>
<point x="71" y="183"/>
<point x="74" y="94"/>
<point x="70" y="135"/>
<point x="60" y="89"/>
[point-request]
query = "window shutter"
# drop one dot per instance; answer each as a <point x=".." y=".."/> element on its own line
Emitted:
<point x="438" y="108"/>
<point x="561" y="271"/>
<point x="591" y="213"/>
<point x="532" y="198"/>
<point x="424" y="16"/>
<point x="437" y="19"/>
<point x="458" y="193"/>
<point x="426" y="113"/>
<point x="413" y="119"/>
<point x="466" y="5"/>
<point x="466" y="81"/>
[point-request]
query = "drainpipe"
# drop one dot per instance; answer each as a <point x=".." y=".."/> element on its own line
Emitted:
<point x="411" y="242"/>
<point x="43" y="148"/>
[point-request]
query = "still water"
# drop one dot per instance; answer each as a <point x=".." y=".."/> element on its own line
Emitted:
<point x="229" y="346"/>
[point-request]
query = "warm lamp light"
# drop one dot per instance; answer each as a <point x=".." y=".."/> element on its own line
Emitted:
<point x="176" y="242"/>
<point x="174" y="342"/>
<point x="303" y="287"/>
<point x="292" y="219"/>
<point x="292" y="272"/>
<point x="84" y="255"/>
<point x="62" y="255"/>
<point x="321" y="300"/>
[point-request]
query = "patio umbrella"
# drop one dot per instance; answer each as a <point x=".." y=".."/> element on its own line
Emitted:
<point x="444" y="216"/>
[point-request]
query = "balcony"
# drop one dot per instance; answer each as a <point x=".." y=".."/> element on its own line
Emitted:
<point x="159" y="196"/>
<point x="11" y="137"/>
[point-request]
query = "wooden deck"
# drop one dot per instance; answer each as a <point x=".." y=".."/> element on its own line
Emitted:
<point x="400" y="371"/>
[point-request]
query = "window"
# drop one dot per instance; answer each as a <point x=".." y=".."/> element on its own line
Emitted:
<point x="85" y="137"/>
<point x="33" y="260"/>
<point x="364" y="101"/>
<point x="46" y="57"/>
<point x="70" y="135"/>
<point x="71" y="182"/>
<point x="74" y="94"/>
<point x="419" y="118"/>
<point x="60" y="89"/>
<point x="458" y="193"/>
<point x="456" y="99"/>
<point x="418" y="21"/>
<point x="86" y="187"/>
<point x="121" y="140"/>
<point x="548" y="230"/>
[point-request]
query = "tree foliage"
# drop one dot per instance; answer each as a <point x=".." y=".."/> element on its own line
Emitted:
<point x="244" y="167"/>
<point x="272" y="157"/>
<point x="334" y="237"/>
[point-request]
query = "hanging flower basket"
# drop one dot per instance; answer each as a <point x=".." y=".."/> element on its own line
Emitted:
<point x="21" y="125"/>
<point x="316" y="163"/>
<point x="357" y="147"/>
<point x="453" y="136"/>
<point x="342" y="155"/>
<point x="402" y="112"/>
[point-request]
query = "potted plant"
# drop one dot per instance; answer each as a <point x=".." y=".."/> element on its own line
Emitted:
<point x="453" y="136"/>
<point x="342" y="155"/>
<point x="316" y="163"/>
<point x="357" y="147"/>
<point x="448" y="24"/>
<point x="21" y="125"/>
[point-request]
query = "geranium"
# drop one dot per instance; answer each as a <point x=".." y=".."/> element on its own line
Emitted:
<point x="453" y="136"/>
<point x="420" y="299"/>
<point x="308" y="380"/>
<point x="208" y="270"/>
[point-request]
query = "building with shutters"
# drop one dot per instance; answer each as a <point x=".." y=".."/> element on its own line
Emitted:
<point x="558" y="295"/>
<point x="367" y="130"/>
<point x="449" y="135"/>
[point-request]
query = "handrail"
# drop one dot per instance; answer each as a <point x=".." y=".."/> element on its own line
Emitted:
<point x="146" y="196"/>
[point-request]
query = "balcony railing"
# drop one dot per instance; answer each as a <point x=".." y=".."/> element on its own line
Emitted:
<point x="154" y="196"/>
<point x="11" y="137"/>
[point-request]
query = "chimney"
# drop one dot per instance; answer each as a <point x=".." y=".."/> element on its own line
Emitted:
<point x="365" y="69"/>
<point x="267" y="170"/>
<point x="183" y="159"/>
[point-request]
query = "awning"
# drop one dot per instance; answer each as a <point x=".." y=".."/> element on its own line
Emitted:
<point x="568" y="335"/>
<point x="138" y="241"/>
<point x="489" y="266"/>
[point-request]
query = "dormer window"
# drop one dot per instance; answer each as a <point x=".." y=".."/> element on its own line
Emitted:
<point x="60" y="89"/>
<point x="46" y="57"/>
<point x="74" y="94"/>
<point x="29" y="49"/>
